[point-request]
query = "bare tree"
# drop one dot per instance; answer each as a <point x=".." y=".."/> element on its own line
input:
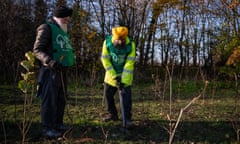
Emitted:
<point x="40" y="12"/>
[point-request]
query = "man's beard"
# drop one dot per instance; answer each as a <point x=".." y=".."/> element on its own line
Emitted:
<point x="63" y="26"/>
<point x="119" y="46"/>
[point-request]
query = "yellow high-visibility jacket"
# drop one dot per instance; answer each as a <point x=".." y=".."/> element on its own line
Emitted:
<point x="128" y="67"/>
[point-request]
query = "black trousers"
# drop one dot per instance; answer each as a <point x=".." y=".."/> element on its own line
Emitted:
<point x="109" y="93"/>
<point x="52" y="92"/>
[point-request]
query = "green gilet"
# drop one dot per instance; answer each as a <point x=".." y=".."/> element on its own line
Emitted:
<point x="118" y="56"/>
<point x="62" y="49"/>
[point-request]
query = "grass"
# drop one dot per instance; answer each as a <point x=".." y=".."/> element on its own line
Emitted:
<point x="209" y="120"/>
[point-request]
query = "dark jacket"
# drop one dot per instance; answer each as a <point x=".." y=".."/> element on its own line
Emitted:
<point x="43" y="51"/>
<point x="43" y="44"/>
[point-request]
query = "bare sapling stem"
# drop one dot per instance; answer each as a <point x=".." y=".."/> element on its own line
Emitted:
<point x="172" y="133"/>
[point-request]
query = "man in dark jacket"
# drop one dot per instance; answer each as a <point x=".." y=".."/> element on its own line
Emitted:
<point x="53" y="49"/>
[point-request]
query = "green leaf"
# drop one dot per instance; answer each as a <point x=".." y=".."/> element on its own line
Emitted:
<point x="30" y="56"/>
<point x="29" y="77"/>
<point x="23" y="86"/>
<point x="26" y="64"/>
<point x="25" y="76"/>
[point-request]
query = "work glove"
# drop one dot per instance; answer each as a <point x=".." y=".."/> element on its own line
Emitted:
<point x="121" y="86"/>
<point x="119" y="83"/>
<point x="57" y="66"/>
<point x="118" y="79"/>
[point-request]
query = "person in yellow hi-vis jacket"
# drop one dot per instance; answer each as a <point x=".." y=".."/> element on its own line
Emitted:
<point x="118" y="58"/>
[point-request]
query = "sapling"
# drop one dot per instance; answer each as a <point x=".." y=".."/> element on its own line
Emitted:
<point x="27" y="85"/>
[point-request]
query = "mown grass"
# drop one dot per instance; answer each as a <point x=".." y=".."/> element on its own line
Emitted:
<point x="209" y="120"/>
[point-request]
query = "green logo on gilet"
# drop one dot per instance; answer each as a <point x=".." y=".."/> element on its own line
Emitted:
<point x="118" y="56"/>
<point x="63" y="51"/>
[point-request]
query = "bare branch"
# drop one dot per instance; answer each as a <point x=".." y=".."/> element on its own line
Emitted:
<point x="182" y="110"/>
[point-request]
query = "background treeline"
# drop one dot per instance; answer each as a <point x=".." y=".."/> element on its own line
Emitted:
<point x="196" y="36"/>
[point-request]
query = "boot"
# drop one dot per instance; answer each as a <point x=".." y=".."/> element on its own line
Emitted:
<point x="62" y="127"/>
<point x="51" y="134"/>
<point x="110" y="118"/>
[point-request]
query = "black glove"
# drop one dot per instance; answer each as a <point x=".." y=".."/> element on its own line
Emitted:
<point x="55" y="65"/>
<point x="119" y="83"/>
<point x="118" y="79"/>
<point x="121" y="86"/>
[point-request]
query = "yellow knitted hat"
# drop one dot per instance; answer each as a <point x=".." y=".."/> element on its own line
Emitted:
<point x="120" y="32"/>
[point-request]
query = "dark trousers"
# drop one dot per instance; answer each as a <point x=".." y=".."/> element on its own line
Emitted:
<point x="109" y="93"/>
<point x="52" y="92"/>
